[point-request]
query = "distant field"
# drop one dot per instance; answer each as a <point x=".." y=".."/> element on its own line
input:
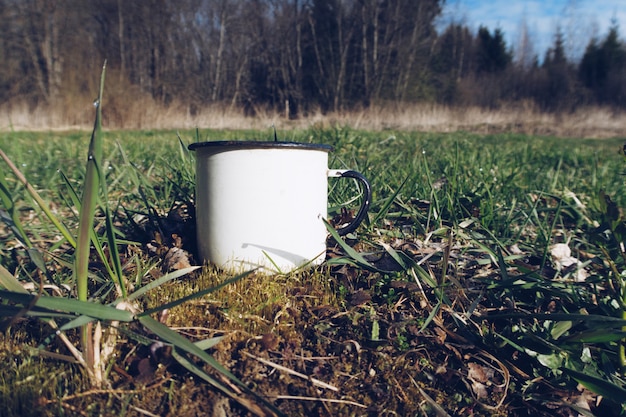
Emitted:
<point x="589" y="122"/>
<point x="439" y="303"/>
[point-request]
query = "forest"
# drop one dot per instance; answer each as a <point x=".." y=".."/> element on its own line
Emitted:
<point x="298" y="55"/>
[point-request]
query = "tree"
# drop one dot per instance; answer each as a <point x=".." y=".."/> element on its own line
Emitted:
<point x="490" y="84"/>
<point x="525" y="51"/>
<point x="449" y="61"/>
<point x="491" y="54"/>
<point x="330" y="30"/>
<point x="41" y="23"/>
<point x="555" y="92"/>
<point x="603" y="67"/>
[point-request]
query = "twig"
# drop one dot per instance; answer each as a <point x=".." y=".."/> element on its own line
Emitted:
<point x="116" y="393"/>
<point x="107" y="391"/>
<point x="315" y="382"/>
<point x="326" y="400"/>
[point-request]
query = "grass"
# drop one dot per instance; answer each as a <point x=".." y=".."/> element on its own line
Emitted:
<point x="447" y="300"/>
<point x="144" y="112"/>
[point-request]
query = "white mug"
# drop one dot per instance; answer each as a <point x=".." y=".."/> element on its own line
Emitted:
<point x="263" y="204"/>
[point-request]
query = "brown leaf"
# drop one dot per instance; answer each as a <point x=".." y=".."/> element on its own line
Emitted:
<point x="479" y="373"/>
<point x="176" y="259"/>
<point x="405" y="285"/>
<point x="441" y="335"/>
<point x="360" y="297"/>
<point x="479" y="389"/>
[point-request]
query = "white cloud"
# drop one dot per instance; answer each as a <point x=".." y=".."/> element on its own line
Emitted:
<point x="579" y="20"/>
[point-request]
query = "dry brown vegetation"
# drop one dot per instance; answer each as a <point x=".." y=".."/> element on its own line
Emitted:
<point x="590" y="122"/>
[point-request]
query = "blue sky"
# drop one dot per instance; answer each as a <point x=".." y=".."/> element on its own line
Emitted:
<point x="579" y="20"/>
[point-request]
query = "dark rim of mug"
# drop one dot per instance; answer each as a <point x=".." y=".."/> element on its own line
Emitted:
<point x="242" y="144"/>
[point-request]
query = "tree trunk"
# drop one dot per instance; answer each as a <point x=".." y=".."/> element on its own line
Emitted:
<point x="120" y="21"/>
<point x="220" y="53"/>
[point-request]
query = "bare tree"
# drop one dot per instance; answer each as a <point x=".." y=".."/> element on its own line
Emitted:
<point x="41" y="23"/>
<point x="524" y="54"/>
<point x="396" y="42"/>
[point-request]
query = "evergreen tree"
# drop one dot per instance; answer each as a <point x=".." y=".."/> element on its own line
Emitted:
<point x="491" y="55"/>
<point x="602" y="69"/>
<point x="555" y="93"/>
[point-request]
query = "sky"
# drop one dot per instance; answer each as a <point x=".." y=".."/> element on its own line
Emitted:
<point x="579" y="20"/>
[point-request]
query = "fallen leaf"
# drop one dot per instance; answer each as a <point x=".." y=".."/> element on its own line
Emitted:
<point x="479" y="373"/>
<point x="176" y="259"/>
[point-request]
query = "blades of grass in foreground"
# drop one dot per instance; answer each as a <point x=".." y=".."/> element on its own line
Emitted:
<point x="89" y="199"/>
<point x="390" y="200"/>
<point x="91" y="187"/>
<point x="12" y="219"/>
<point x="354" y="255"/>
<point x="596" y="336"/>
<point x="42" y="204"/>
<point x="114" y="270"/>
<point x="68" y="305"/>
<point x="8" y="281"/>
<point x="598" y="385"/>
<point x="160" y="281"/>
<point x="597" y="319"/>
<point x="114" y="255"/>
<point x="183" y="359"/>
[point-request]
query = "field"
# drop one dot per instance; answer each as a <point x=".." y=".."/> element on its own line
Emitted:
<point x="489" y="279"/>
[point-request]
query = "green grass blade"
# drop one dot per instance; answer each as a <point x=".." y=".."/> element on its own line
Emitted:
<point x="9" y="282"/>
<point x="77" y="322"/>
<point x="114" y="255"/>
<point x="13" y="220"/>
<point x="432" y="315"/>
<point x="394" y="255"/>
<point x="95" y="241"/>
<point x="502" y="265"/>
<point x="188" y="364"/>
<point x="89" y="199"/>
<point x="160" y="281"/>
<point x="208" y="343"/>
<point x="13" y="312"/>
<point x="596" y="319"/>
<point x="42" y="204"/>
<point x="69" y="305"/>
<point x="390" y="200"/>
<point x="356" y="256"/>
<point x="596" y="336"/>
<point x="600" y="386"/>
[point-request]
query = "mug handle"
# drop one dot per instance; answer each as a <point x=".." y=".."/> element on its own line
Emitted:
<point x="367" y="198"/>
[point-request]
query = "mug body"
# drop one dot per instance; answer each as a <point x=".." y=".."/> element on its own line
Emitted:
<point x="261" y="204"/>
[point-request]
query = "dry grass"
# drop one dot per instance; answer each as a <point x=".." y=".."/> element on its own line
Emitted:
<point x="145" y="113"/>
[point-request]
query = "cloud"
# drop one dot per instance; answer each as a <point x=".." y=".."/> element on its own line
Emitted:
<point x="578" y="20"/>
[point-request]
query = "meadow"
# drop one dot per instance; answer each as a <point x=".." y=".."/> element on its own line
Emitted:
<point x="489" y="279"/>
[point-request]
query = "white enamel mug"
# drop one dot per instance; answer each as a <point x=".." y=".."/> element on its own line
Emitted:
<point x="262" y="204"/>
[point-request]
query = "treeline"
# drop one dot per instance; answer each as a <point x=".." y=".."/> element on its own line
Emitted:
<point x="304" y="54"/>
